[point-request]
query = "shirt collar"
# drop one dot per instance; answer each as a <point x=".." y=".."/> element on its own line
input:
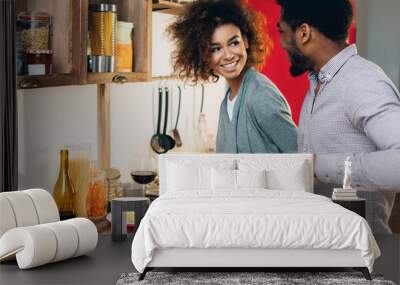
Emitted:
<point x="329" y="70"/>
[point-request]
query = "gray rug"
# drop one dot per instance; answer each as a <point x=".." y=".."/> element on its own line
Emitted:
<point x="243" y="278"/>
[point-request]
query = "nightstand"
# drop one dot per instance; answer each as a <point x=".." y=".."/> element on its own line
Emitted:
<point x="139" y="205"/>
<point x="356" y="205"/>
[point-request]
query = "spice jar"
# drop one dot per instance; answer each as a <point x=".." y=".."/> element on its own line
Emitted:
<point x="34" y="29"/>
<point x="124" y="47"/>
<point x="96" y="202"/>
<point x="114" y="185"/>
<point x="39" y="62"/>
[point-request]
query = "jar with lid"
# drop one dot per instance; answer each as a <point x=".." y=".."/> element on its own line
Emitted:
<point x="39" y="62"/>
<point x="96" y="201"/>
<point x="102" y="34"/>
<point x="34" y="30"/>
<point x="114" y="185"/>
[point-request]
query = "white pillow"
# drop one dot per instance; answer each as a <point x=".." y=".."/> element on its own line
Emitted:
<point x="237" y="179"/>
<point x="189" y="174"/>
<point x="290" y="179"/>
<point x="251" y="178"/>
<point x="282" y="173"/>
<point x="183" y="178"/>
<point x="223" y="179"/>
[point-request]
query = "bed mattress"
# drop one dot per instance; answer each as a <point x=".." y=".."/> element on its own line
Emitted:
<point x="250" y="219"/>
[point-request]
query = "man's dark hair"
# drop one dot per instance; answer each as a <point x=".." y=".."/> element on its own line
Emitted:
<point x="331" y="17"/>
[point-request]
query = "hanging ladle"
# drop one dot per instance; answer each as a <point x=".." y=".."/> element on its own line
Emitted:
<point x="175" y="132"/>
<point x="157" y="140"/>
<point x="167" y="142"/>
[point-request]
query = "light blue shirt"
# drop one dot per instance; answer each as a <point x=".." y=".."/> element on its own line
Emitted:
<point x="356" y="113"/>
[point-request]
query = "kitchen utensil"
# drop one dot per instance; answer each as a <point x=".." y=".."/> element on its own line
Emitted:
<point x="167" y="141"/>
<point x="175" y="131"/>
<point x="202" y="126"/>
<point x="155" y="142"/>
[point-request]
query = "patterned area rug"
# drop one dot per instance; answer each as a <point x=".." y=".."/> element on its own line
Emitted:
<point x="243" y="278"/>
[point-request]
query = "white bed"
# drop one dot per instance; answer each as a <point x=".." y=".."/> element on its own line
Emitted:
<point x="247" y="211"/>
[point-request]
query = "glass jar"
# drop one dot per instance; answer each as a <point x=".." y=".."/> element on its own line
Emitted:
<point x="79" y="171"/>
<point x="34" y="30"/>
<point x="114" y="185"/>
<point x="39" y="62"/>
<point x="96" y="202"/>
<point x="102" y="34"/>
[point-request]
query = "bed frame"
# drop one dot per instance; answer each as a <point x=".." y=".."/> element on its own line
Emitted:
<point x="242" y="259"/>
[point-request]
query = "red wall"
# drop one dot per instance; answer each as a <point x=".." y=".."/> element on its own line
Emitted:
<point x="277" y="65"/>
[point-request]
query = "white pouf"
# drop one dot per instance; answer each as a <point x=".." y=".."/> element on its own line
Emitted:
<point x="31" y="230"/>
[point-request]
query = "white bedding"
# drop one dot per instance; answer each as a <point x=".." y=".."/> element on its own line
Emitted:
<point x="251" y="218"/>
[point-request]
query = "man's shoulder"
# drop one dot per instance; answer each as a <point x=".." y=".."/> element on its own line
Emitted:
<point x="360" y="69"/>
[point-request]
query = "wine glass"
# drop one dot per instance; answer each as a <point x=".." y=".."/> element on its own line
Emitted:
<point x="143" y="171"/>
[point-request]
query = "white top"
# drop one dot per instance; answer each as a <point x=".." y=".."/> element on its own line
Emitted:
<point x="230" y="104"/>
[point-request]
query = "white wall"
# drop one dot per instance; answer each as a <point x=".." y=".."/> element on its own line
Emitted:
<point x="132" y="126"/>
<point x="378" y="34"/>
<point x="50" y="118"/>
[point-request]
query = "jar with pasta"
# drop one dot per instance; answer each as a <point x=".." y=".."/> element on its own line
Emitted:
<point x="96" y="201"/>
<point x="34" y="30"/>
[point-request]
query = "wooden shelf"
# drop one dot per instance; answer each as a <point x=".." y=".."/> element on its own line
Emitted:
<point x="65" y="42"/>
<point x="69" y="42"/>
<point x="167" y="7"/>
<point x="139" y="13"/>
<point x="39" y="81"/>
<point x="102" y="78"/>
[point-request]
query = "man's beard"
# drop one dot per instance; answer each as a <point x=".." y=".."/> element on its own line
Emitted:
<point x="299" y="62"/>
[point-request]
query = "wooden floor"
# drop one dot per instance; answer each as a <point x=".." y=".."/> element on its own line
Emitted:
<point x="110" y="259"/>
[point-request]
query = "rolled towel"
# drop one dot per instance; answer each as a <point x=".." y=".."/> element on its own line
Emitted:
<point x="37" y="245"/>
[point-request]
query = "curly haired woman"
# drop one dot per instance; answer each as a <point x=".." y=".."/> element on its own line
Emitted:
<point x="225" y="38"/>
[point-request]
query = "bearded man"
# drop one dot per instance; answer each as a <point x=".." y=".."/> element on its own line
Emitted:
<point x="352" y="109"/>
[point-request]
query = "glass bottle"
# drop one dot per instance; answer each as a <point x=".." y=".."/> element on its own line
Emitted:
<point x="63" y="190"/>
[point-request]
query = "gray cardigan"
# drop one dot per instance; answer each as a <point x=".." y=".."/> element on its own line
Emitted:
<point x="261" y="122"/>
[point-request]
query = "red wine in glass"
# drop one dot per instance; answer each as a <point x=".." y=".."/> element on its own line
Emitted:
<point x="143" y="176"/>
